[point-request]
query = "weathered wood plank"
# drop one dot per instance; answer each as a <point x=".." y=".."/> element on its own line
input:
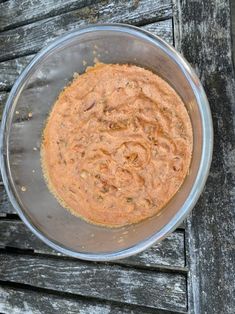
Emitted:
<point x="164" y="29"/>
<point x="233" y="29"/>
<point x="110" y="282"/>
<point x="168" y="253"/>
<point x="21" y="301"/>
<point x="14" y="13"/>
<point x="3" y="99"/>
<point x="203" y="34"/>
<point x="11" y="69"/>
<point x="30" y="38"/>
<point x="5" y="205"/>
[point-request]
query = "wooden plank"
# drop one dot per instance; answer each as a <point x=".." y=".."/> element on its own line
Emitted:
<point x="5" y="205"/>
<point x="3" y="99"/>
<point x="164" y="29"/>
<point x="110" y="282"/>
<point x="203" y="34"/>
<point x="233" y="29"/>
<point x="21" y="301"/>
<point x="11" y="69"/>
<point x="168" y="253"/>
<point x="14" y="13"/>
<point x="30" y="38"/>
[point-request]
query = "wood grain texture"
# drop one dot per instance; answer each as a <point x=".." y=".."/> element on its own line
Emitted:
<point x="164" y="29"/>
<point x="109" y="282"/>
<point x="23" y="301"/>
<point x="233" y="29"/>
<point x="203" y="34"/>
<point x="5" y="205"/>
<point x="11" y="69"/>
<point x="14" y="13"/>
<point x="30" y="38"/>
<point x="168" y="253"/>
<point x="3" y="99"/>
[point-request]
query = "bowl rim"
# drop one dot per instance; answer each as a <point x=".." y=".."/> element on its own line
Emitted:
<point x="207" y="145"/>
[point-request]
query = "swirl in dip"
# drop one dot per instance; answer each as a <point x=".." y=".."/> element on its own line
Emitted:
<point x="117" y="145"/>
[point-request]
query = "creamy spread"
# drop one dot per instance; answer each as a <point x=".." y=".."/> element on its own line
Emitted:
<point x="117" y="145"/>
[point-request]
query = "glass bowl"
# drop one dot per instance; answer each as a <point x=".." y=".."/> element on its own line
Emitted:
<point x="23" y="121"/>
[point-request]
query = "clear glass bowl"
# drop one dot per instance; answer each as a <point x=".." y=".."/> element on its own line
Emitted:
<point x="24" y="117"/>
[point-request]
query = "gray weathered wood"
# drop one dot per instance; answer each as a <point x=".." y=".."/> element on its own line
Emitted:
<point x="164" y="29"/>
<point x="203" y="34"/>
<point x="14" y="13"/>
<point x="5" y="205"/>
<point x="11" y="69"/>
<point x="30" y="38"/>
<point x="3" y="99"/>
<point x="110" y="282"/>
<point x="22" y="301"/>
<point x="233" y="28"/>
<point x="168" y="253"/>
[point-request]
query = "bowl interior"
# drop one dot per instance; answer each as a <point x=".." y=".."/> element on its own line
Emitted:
<point x="32" y="101"/>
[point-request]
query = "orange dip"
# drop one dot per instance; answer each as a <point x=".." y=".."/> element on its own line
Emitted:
<point x="117" y="145"/>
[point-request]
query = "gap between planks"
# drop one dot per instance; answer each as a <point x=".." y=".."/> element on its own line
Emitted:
<point x="167" y="255"/>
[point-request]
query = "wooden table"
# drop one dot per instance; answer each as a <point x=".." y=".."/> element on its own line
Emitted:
<point x="192" y="271"/>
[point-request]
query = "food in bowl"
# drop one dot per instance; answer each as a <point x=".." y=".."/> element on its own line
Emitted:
<point x="117" y="145"/>
<point x="36" y="91"/>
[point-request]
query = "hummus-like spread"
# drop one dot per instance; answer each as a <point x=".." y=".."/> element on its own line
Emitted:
<point x="117" y="145"/>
